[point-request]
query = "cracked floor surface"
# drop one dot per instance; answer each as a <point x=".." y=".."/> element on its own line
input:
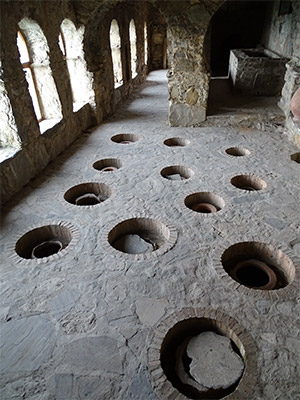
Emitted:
<point x="79" y="325"/>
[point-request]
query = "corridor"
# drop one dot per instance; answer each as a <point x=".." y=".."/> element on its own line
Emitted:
<point x="88" y="321"/>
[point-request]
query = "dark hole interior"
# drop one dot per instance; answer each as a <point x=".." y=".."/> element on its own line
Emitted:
<point x="232" y="261"/>
<point x="296" y="157"/>
<point x="249" y="188"/>
<point x="46" y="249"/>
<point x="109" y="169"/>
<point x="252" y="276"/>
<point x="255" y="54"/>
<point x="202" y="208"/>
<point x="88" y="200"/>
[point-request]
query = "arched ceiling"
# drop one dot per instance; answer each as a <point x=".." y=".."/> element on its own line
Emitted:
<point x="195" y="10"/>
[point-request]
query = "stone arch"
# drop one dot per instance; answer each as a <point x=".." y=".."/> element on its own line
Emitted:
<point x="38" y="49"/>
<point x="81" y="81"/>
<point x="234" y="25"/>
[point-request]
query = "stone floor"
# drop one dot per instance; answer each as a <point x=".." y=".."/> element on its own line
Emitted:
<point x="82" y="324"/>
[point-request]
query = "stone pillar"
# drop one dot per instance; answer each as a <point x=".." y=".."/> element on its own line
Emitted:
<point x="188" y="78"/>
<point x="188" y="74"/>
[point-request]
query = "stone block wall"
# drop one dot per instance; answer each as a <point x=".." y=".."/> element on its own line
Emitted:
<point x="282" y="35"/>
<point x="256" y="72"/>
<point x="38" y="144"/>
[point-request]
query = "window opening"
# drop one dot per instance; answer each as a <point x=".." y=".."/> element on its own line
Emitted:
<point x="61" y="43"/>
<point x="29" y="75"/>
<point x="34" y="57"/>
<point x="115" y="45"/>
<point x="132" y="38"/>
<point x="146" y="43"/>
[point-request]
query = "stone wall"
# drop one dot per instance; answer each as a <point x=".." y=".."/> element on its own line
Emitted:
<point x="282" y="35"/>
<point x="282" y="31"/>
<point x="40" y="145"/>
<point x="188" y="27"/>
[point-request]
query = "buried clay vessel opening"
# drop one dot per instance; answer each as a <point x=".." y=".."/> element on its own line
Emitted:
<point x="107" y="164"/>
<point x="248" y="182"/>
<point x="43" y="242"/>
<point x="46" y="249"/>
<point x="200" y="360"/>
<point x="125" y="138"/>
<point x="258" y="266"/>
<point x="138" y="235"/>
<point x="237" y="151"/>
<point x="176" y="173"/>
<point x="176" y="142"/>
<point x="88" y="194"/>
<point x="204" y="202"/>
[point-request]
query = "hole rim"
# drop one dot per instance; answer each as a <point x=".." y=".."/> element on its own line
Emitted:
<point x="125" y="137"/>
<point x="186" y="172"/>
<point x="236" y="332"/>
<point x="289" y="291"/>
<point x="100" y="165"/>
<point x="238" y="151"/>
<point x="177" y="142"/>
<point x="250" y="181"/>
<point x="204" y="197"/>
<point x="99" y="189"/>
<point x="110" y="234"/>
<point x="32" y="230"/>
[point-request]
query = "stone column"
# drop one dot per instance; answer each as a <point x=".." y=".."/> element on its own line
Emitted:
<point x="188" y="74"/>
<point x="188" y="78"/>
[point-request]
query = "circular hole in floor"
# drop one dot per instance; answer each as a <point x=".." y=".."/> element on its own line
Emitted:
<point x="177" y="173"/>
<point x="237" y="151"/>
<point x="248" y="182"/>
<point x="176" y="142"/>
<point x="125" y="138"/>
<point x="202" y="358"/>
<point x="258" y="266"/>
<point x="138" y="235"/>
<point x="88" y="194"/>
<point x="204" y="202"/>
<point x="43" y="242"/>
<point x="108" y="164"/>
<point x="296" y="157"/>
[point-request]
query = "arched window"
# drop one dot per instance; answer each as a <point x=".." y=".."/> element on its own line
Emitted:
<point x="115" y="45"/>
<point x="132" y="38"/>
<point x="146" y="43"/>
<point x="9" y="139"/>
<point x="70" y="42"/>
<point x="34" y="57"/>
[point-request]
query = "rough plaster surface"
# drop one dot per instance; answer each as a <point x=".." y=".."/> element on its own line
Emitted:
<point x="93" y="312"/>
